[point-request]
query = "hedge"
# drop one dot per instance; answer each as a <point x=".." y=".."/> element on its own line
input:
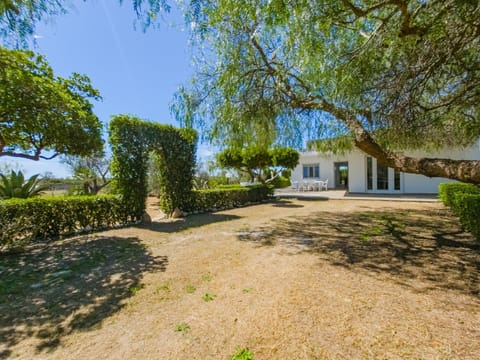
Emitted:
<point x="133" y="141"/>
<point x="446" y="191"/>
<point x="215" y="199"/>
<point x="23" y="221"/>
<point x="467" y="207"/>
<point x="464" y="200"/>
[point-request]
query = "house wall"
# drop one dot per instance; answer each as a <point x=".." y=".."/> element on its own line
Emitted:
<point x="410" y="183"/>
<point x="325" y="162"/>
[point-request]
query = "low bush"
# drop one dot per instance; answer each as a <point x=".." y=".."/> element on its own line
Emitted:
<point x="464" y="201"/>
<point x="23" y="221"/>
<point x="281" y="182"/>
<point x="446" y="191"/>
<point x="215" y="199"/>
<point x="467" y="207"/>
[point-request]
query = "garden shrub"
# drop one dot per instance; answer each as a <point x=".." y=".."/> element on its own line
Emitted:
<point x="38" y="219"/>
<point x="467" y="207"/>
<point x="446" y="191"/>
<point x="215" y="199"/>
<point x="281" y="182"/>
<point x="464" y="201"/>
<point x="134" y="141"/>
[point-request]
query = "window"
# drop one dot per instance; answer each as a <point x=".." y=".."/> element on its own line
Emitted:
<point x="311" y="171"/>
<point x="382" y="177"/>
<point x="369" y="174"/>
<point x="396" y="176"/>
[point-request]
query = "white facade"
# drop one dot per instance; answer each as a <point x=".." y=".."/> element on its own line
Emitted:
<point x="357" y="172"/>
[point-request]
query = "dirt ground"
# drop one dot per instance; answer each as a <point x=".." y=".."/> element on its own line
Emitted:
<point x="337" y="279"/>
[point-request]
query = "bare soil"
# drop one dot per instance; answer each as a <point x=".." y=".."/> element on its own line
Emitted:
<point x="338" y="279"/>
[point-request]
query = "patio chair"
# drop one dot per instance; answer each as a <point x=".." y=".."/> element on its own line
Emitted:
<point x="304" y="186"/>
<point x="324" y="185"/>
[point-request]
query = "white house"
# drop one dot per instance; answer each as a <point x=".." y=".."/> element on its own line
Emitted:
<point x="358" y="172"/>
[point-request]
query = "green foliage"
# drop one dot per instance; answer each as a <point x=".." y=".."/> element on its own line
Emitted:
<point x="259" y="162"/>
<point x="242" y="354"/>
<point x="190" y="289"/>
<point x="209" y="297"/>
<point x="173" y="151"/>
<point x="43" y="112"/>
<point x="447" y="191"/>
<point x="42" y="219"/>
<point x="15" y="186"/>
<point x="464" y="200"/>
<point x="212" y="200"/>
<point x="467" y="207"/>
<point x="91" y="171"/>
<point x="382" y="75"/>
<point x="182" y="327"/>
<point x="280" y="182"/>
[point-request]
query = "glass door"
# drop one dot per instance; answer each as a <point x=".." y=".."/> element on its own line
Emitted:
<point x="341" y="175"/>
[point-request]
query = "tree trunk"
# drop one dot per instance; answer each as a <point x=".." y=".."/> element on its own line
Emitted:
<point x="462" y="170"/>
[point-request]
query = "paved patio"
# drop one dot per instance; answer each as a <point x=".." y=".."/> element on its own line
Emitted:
<point x="344" y="195"/>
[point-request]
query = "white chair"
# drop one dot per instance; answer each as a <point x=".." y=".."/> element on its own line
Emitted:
<point x="324" y="185"/>
<point x="304" y="186"/>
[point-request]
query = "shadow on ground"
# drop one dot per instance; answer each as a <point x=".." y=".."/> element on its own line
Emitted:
<point x="422" y="249"/>
<point x="69" y="286"/>
<point x="191" y="221"/>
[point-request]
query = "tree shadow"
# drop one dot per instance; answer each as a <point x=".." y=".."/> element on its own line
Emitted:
<point x="287" y="204"/>
<point x="68" y="286"/>
<point x="424" y="249"/>
<point x="191" y="221"/>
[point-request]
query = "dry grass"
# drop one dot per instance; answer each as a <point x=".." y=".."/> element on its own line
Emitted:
<point x="287" y="280"/>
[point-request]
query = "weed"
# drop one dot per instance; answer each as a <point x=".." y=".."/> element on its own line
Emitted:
<point x="207" y="277"/>
<point x="242" y="354"/>
<point x="364" y="236"/>
<point x="190" y="289"/>
<point x="209" y="297"/>
<point x="247" y="290"/>
<point x="135" y="288"/>
<point x="162" y="288"/>
<point x="182" y="327"/>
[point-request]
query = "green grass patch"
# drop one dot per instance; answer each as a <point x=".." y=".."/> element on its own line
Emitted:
<point x="242" y="354"/>
<point x="182" y="327"/>
<point x="190" y="289"/>
<point x="207" y="277"/>
<point x="209" y="297"/>
<point x="135" y="288"/>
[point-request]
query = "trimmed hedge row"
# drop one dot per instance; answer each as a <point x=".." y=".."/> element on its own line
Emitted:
<point x="215" y="199"/>
<point x="446" y="191"/>
<point x="464" y="200"/>
<point x="23" y="221"/>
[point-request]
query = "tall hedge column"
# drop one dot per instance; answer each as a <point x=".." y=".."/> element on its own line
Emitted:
<point x="132" y="142"/>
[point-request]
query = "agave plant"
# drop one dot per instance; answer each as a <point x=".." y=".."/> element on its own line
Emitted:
<point x="15" y="186"/>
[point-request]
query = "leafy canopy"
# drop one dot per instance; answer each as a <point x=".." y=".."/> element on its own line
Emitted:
<point x="259" y="162"/>
<point x="388" y="75"/>
<point x="42" y="112"/>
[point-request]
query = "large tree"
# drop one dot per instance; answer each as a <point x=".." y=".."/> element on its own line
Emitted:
<point x="389" y="75"/>
<point x="259" y="163"/>
<point x="43" y="115"/>
<point x="93" y="172"/>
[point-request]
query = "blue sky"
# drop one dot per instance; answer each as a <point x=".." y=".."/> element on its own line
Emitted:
<point x="137" y="73"/>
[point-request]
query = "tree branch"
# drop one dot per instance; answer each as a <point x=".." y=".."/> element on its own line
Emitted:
<point x="34" y="157"/>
